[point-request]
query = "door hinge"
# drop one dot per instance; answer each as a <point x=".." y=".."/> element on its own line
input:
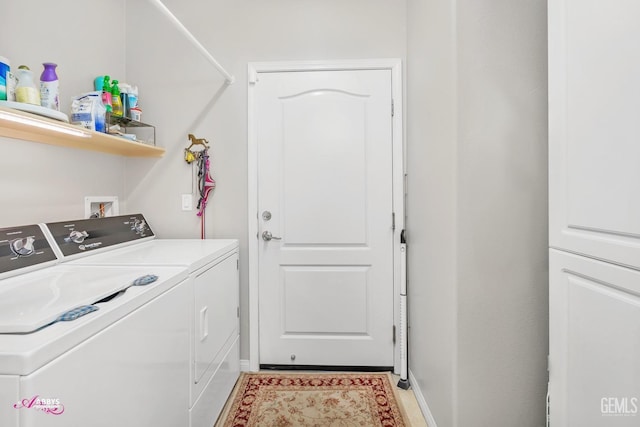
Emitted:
<point x="238" y="312"/>
<point x="393" y="221"/>
<point x="237" y="264"/>
<point x="392" y="109"/>
<point x="405" y="185"/>
<point x="394" y="334"/>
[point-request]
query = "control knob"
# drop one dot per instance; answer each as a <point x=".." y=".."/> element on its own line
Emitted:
<point x="23" y="246"/>
<point x="139" y="226"/>
<point x="76" y="236"/>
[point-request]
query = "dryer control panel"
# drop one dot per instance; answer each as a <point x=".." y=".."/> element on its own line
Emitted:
<point x="87" y="235"/>
<point x="22" y="247"/>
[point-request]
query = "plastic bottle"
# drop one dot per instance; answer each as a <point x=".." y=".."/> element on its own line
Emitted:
<point x="133" y="96"/>
<point x="49" y="89"/>
<point x="101" y="117"/>
<point x="116" y="102"/>
<point x="124" y="97"/>
<point x="106" y="93"/>
<point x="5" y="69"/>
<point x="98" y="82"/>
<point x="26" y="89"/>
<point x="135" y="113"/>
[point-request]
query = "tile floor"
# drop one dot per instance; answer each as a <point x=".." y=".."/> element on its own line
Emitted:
<point x="410" y="405"/>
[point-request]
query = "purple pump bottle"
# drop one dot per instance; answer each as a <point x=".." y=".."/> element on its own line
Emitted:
<point x="49" y="90"/>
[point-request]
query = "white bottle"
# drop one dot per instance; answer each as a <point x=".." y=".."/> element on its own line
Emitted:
<point x="49" y="92"/>
<point x="26" y="90"/>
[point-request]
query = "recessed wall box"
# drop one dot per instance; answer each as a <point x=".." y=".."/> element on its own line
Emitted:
<point x="101" y="206"/>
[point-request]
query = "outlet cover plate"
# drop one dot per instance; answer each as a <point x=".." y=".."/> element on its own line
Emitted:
<point x="187" y="202"/>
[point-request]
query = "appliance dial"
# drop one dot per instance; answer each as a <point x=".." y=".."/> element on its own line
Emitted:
<point x="139" y="226"/>
<point x="23" y="246"/>
<point x="76" y="236"/>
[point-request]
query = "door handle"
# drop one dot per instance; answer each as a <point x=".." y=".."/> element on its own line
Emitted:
<point x="204" y="324"/>
<point x="266" y="236"/>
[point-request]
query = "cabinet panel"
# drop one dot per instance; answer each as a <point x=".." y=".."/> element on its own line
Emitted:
<point x="594" y="347"/>
<point x="9" y="396"/>
<point x="212" y="400"/>
<point x="594" y="100"/>
<point x="216" y="314"/>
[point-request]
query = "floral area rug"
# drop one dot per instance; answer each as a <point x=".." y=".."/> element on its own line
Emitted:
<point x="312" y="400"/>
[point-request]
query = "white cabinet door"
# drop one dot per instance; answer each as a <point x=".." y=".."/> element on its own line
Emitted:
<point x="594" y="128"/>
<point x="594" y="343"/>
<point x="216" y="316"/>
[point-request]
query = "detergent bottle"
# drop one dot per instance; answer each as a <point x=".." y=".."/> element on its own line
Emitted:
<point x="26" y="90"/>
<point x="116" y="102"/>
<point x="106" y="93"/>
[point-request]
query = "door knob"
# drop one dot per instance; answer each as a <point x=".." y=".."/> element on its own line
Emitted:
<point x="266" y="236"/>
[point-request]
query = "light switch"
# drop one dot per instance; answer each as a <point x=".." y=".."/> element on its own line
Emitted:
<point x="187" y="202"/>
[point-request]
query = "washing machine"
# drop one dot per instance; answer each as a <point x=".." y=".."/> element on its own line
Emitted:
<point x="213" y="269"/>
<point x="89" y="345"/>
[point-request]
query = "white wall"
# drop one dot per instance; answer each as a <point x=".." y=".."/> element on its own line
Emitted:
<point x="431" y="203"/>
<point x="182" y="93"/>
<point x="502" y="212"/>
<point x="48" y="183"/>
<point x="477" y="131"/>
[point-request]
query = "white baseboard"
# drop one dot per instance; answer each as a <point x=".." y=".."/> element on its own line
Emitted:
<point x="244" y="365"/>
<point x="422" y="403"/>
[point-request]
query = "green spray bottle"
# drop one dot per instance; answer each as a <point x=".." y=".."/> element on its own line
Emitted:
<point x="116" y="102"/>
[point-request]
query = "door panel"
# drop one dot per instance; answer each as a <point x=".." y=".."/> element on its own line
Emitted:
<point x="325" y="176"/>
<point x="594" y="99"/>
<point x="328" y="315"/>
<point x="594" y="346"/>
<point x="317" y="126"/>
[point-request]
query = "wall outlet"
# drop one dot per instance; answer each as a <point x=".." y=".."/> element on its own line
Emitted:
<point x="187" y="202"/>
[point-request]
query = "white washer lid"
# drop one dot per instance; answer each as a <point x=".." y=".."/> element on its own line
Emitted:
<point x="192" y="253"/>
<point x="24" y="353"/>
<point x="31" y="301"/>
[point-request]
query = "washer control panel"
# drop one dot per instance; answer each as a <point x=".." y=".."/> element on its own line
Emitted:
<point x="24" y="246"/>
<point x="86" y="235"/>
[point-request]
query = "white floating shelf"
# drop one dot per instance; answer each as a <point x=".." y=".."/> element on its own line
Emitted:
<point x="30" y="127"/>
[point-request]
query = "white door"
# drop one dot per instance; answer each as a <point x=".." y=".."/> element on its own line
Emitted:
<point x="324" y="141"/>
